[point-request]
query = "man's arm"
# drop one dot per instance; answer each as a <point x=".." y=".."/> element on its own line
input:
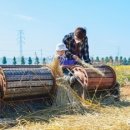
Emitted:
<point x="86" y="52"/>
<point x="66" y="40"/>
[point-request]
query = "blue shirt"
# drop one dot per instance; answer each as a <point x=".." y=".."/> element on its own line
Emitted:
<point x="65" y="61"/>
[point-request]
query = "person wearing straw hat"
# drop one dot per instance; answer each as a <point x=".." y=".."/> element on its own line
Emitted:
<point x="65" y="62"/>
<point x="77" y="45"/>
<point x="60" y="53"/>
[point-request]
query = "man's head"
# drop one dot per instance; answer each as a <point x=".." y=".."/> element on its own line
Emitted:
<point x="60" y="49"/>
<point x="79" y="34"/>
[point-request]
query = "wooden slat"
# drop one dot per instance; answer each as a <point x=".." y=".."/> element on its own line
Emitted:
<point x="102" y="70"/>
<point x="30" y="83"/>
<point x="40" y="70"/>
<point x="27" y="77"/>
<point x="27" y="89"/>
<point x="96" y="75"/>
<point x="100" y="79"/>
<point x="19" y="92"/>
<point x="101" y="82"/>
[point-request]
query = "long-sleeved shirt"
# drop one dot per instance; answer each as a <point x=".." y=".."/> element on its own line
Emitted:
<point x="65" y="61"/>
<point x="79" y="49"/>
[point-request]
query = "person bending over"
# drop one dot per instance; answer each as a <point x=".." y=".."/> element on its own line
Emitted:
<point x="77" y="45"/>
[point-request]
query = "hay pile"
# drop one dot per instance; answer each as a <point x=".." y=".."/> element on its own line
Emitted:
<point x="66" y="101"/>
<point x="114" y="117"/>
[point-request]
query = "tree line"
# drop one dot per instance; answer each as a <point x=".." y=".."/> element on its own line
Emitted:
<point x="112" y="60"/>
<point x="104" y="60"/>
<point x="29" y="61"/>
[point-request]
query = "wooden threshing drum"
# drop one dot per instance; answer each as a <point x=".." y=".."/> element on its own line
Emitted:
<point x="93" y="80"/>
<point x="25" y="81"/>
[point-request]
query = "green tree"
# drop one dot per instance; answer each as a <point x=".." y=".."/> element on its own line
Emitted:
<point x="97" y="59"/>
<point x="128" y="62"/>
<point x="4" y="60"/>
<point x="106" y="59"/>
<point x="125" y="62"/>
<point x="111" y="59"/>
<point x="29" y="60"/>
<point x="37" y="60"/>
<point x="121" y="60"/>
<point x="44" y="60"/>
<point x="116" y="60"/>
<point x="22" y="60"/>
<point x="14" y="61"/>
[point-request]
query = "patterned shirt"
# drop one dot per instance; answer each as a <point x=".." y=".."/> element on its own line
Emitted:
<point x="79" y="49"/>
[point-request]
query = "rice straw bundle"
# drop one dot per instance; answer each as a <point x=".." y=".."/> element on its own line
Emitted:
<point x="86" y="65"/>
<point x="56" y="68"/>
<point x="66" y="95"/>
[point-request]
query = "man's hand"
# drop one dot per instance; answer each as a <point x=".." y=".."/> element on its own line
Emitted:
<point x="76" y="58"/>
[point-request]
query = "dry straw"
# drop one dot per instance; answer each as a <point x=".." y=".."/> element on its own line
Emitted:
<point x="86" y="65"/>
<point x="66" y="100"/>
<point x="55" y="67"/>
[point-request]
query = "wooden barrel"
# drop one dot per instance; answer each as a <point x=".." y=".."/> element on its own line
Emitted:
<point x="92" y="80"/>
<point x="28" y="81"/>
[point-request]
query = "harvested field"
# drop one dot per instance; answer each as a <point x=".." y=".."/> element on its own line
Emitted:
<point x="72" y="113"/>
<point x="114" y="116"/>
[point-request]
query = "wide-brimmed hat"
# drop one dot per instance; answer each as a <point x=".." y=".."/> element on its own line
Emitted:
<point x="61" y="47"/>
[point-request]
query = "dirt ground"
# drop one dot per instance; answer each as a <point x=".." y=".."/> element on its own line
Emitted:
<point x="115" y="116"/>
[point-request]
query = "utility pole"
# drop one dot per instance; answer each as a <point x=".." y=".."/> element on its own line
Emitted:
<point x="21" y="40"/>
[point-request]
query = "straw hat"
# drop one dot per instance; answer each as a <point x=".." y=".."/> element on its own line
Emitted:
<point x="61" y="47"/>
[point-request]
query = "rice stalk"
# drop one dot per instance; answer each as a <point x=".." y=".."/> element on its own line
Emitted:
<point x="86" y="65"/>
<point x="65" y="91"/>
<point x="56" y="68"/>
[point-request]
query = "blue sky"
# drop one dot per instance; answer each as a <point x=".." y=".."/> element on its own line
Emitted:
<point x="45" y="22"/>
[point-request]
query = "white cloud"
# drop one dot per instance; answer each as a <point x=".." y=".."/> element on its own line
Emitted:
<point x="18" y="16"/>
<point x="24" y="17"/>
